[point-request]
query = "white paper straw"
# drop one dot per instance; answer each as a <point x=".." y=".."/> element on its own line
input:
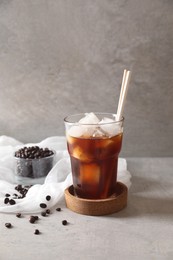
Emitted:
<point x="123" y="93"/>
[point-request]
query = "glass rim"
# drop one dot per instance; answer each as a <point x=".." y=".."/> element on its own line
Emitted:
<point x="96" y="113"/>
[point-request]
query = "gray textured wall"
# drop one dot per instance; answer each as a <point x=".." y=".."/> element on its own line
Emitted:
<point x="59" y="57"/>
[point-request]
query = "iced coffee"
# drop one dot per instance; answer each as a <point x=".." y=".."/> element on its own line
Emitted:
<point x="94" y="142"/>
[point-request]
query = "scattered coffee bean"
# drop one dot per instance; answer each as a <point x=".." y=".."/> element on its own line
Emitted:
<point x="32" y="219"/>
<point x="43" y="205"/>
<point x="12" y="202"/>
<point x="43" y="213"/>
<point x="58" y="209"/>
<point x="36" y="232"/>
<point x="47" y="211"/>
<point x="64" y="222"/>
<point x="48" y="197"/>
<point x="7" y="195"/>
<point x="18" y="187"/>
<point x="18" y="215"/>
<point x="36" y="217"/>
<point x="22" y="190"/>
<point x="8" y="225"/>
<point x="6" y="200"/>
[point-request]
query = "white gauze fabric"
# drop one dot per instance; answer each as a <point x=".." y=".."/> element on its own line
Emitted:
<point x="54" y="184"/>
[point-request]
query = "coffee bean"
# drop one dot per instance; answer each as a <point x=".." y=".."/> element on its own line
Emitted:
<point x="18" y="187"/>
<point x="43" y="213"/>
<point x="18" y="215"/>
<point x="8" y="225"/>
<point x="12" y="202"/>
<point x="47" y="211"/>
<point x="43" y="205"/>
<point x="36" y="232"/>
<point x="58" y="209"/>
<point x="64" y="222"/>
<point x="48" y="197"/>
<point x="6" y="200"/>
<point x="22" y="190"/>
<point x="32" y="219"/>
<point x="7" y="195"/>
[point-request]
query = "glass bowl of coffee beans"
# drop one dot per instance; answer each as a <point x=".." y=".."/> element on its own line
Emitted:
<point x="33" y="162"/>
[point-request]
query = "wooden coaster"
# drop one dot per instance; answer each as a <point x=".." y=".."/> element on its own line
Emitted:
<point x="113" y="204"/>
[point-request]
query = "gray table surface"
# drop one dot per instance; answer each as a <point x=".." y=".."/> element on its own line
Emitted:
<point x="144" y="230"/>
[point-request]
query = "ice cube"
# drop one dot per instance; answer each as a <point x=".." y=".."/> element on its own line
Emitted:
<point x="90" y="174"/>
<point x="81" y="131"/>
<point x="98" y="132"/>
<point x="89" y="123"/>
<point x="90" y="118"/>
<point x="109" y="126"/>
<point x="88" y="130"/>
<point x="80" y="154"/>
<point x="76" y="131"/>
